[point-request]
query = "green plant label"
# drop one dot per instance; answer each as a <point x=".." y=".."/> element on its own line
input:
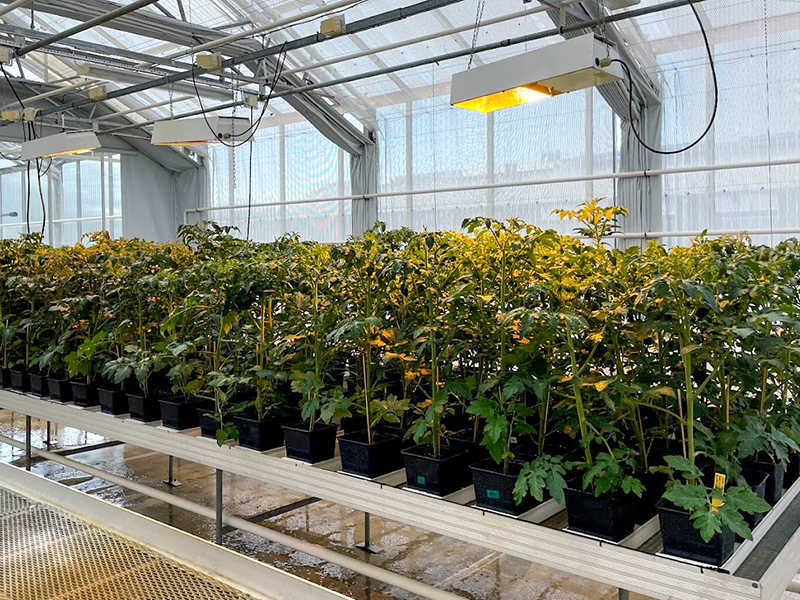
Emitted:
<point x="493" y="494"/>
<point x="420" y="480"/>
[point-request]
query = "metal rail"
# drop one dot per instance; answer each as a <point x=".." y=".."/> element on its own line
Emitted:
<point x="216" y="513"/>
<point x="537" y="182"/>
<point x="616" y="565"/>
<point x="162" y="545"/>
<point x="109" y="16"/>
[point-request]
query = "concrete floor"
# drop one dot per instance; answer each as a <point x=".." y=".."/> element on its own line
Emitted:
<point x="469" y="571"/>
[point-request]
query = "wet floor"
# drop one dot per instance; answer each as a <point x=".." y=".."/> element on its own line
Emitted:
<point x="469" y="571"/>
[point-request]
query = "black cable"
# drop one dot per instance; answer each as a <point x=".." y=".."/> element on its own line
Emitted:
<point x="250" y="182"/>
<point x="28" y="200"/>
<point x="8" y="81"/>
<point x="41" y="194"/>
<point x="251" y="130"/>
<point x="716" y="94"/>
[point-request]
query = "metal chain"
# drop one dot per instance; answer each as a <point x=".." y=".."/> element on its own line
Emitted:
<point x="478" y="20"/>
<point x="171" y="107"/>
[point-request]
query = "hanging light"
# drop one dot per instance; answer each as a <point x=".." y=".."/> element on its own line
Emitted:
<point x="198" y="130"/>
<point x="556" y="69"/>
<point x="60" y="144"/>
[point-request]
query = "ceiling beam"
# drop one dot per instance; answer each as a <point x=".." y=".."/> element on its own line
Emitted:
<point x="333" y="125"/>
<point x="94" y="22"/>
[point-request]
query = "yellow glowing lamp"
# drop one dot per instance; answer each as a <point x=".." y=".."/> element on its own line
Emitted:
<point x="556" y="69"/>
<point x="524" y="94"/>
<point x="60" y="144"/>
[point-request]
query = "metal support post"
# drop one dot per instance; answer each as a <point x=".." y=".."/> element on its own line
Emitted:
<point x="366" y="545"/>
<point x="47" y="439"/>
<point x="219" y="507"/>
<point x="170" y="480"/>
<point x="624" y="594"/>
<point x="27" y="442"/>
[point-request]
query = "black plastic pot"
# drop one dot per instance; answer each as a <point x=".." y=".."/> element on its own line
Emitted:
<point x="681" y="539"/>
<point x="351" y="424"/>
<point x="654" y="486"/>
<point x="208" y="424"/>
<point x="775" y="471"/>
<point x="85" y="394"/>
<point x="757" y="480"/>
<point x="476" y="452"/>
<point x="310" y="446"/>
<point x="179" y="412"/>
<point x="792" y="470"/>
<point x="380" y="457"/>
<point x="439" y="476"/>
<point x="60" y="389"/>
<point x="608" y="517"/>
<point x="259" y="435"/>
<point x="20" y="381"/>
<point x="39" y="385"/>
<point x="144" y="408"/>
<point x="495" y="490"/>
<point x="398" y="431"/>
<point x="113" y="402"/>
<point x="5" y="377"/>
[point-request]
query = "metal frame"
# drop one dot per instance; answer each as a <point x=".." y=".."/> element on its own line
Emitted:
<point x="616" y="565"/>
<point x="252" y="577"/>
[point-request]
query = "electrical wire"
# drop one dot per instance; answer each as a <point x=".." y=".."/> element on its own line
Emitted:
<point x="250" y="182"/>
<point x="41" y="195"/>
<point x="251" y="130"/>
<point x="716" y="94"/>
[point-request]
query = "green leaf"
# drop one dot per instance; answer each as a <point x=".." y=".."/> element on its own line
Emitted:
<point x="707" y="522"/>
<point x="687" y="496"/>
<point x="687" y="468"/>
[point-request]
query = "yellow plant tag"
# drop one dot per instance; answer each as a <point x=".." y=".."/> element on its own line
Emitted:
<point x="719" y="484"/>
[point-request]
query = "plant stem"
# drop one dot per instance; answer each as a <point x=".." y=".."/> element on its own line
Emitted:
<point x="576" y="387"/>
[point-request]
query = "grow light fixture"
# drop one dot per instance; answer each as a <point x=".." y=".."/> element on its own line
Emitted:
<point x="60" y="144"/>
<point x="556" y="69"/>
<point x="196" y="131"/>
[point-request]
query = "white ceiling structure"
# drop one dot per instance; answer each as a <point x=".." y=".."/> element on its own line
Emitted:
<point x="170" y="26"/>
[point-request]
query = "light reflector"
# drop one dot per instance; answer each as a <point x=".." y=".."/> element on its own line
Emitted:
<point x="196" y="131"/>
<point x="60" y="144"/>
<point x="556" y="69"/>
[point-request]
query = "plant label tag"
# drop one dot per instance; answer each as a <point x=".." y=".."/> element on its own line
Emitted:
<point x="493" y="494"/>
<point x="719" y="484"/>
<point x="420" y="480"/>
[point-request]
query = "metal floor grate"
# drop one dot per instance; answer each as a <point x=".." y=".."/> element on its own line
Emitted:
<point x="49" y="555"/>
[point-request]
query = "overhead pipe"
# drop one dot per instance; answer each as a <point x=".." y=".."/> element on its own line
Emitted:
<point x="138" y="109"/>
<point x="419" y="40"/>
<point x="234" y="37"/>
<point x="330" y="556"/>
<point x="368" y="24"/>
<point x="488" y="47"/>
<point x="72" y="86"/>
<point x="355" y="27"/>
<point x="528" y="183"/>
<point x="13" y="6"/>
<point x="109" y="16"/>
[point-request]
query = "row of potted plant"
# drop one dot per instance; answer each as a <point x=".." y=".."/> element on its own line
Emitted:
<point x="626" y="383"/>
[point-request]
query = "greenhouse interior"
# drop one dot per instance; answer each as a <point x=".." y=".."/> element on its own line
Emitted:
<point x="437" y="299"/>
